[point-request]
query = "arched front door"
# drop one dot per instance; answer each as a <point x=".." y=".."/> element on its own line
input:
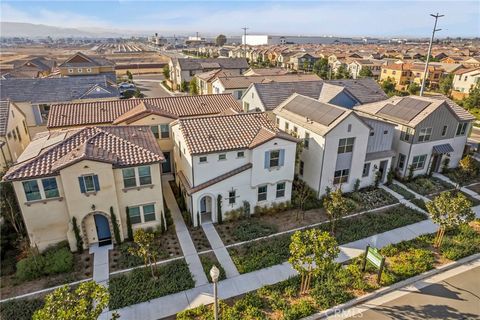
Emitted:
<point x="103" y="230"/>
<point x="206" y="209"/>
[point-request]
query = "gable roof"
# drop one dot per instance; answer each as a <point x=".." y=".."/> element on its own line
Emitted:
<point x="50" y="90"/>
<point x="266" y="71"/>
<point x="128" y="110"/>
<point x="215" y="63"/>
<point x="365" y="90"/>
<point x="229" y="132"/>
<point x="272" y="94"/>
<point x="412" y="110"/>
<point x="235" y="82"/>
<point x="121" y="146"/>
<point x="317" y="116"/>
<point x="81" y="60"/>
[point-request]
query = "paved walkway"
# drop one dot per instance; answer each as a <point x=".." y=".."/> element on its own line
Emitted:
<point x="220" y="251"/>
<point x="101" y="270"/>
<point x="186" y="243"/>
<point x="402" y="199"/>
<point x="231" y="287"/>
<point x="464" y="189"/>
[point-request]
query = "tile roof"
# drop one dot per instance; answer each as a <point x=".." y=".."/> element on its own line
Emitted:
<point x="216" y="63"/>
<point x="50" y="90"/>
<point x="412" y="110"/>
<point x="234" y="82"/>
<point x="116" y="111"/>
<point x="272" y="94"/>
<point x="4" y="115"/>
<point x="228" y="132"/>
<point x="122" y="146"/>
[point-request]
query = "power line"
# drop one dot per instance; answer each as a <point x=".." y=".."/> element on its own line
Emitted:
<point x="425" y="72"/>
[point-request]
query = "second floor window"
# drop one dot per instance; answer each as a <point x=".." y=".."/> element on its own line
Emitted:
<point x="164" y="131"/>
<point x="274" y="158"/>
<point x="462" y="128"/>
<point x="89" y="183"/>
<point x="424" y="134"/>
<point x="47" y="189"/>
<point x="306" y="141"/>
<point x="32" y="191"/>
<point x="144" y="176"/>
<point x="345" y="145"/>
<point x="444" y="131"/>
<point x="406" y="134"/>
<point x="139" y="176"/>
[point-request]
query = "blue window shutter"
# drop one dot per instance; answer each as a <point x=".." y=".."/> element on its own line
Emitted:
<point x="95" y="181"/>
<point x="82" y="184"/>
<point x="37" y="115"/>
<point x="267" y="159"/>
<point x="282" y="157"/>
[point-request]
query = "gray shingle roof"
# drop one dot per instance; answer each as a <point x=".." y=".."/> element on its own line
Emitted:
<point x="364" y="90"/>
<point x="53" y="89"/>
<point x="85" y="61"/>
<point x="272" y="94"/>
<point x="222" y="63"/>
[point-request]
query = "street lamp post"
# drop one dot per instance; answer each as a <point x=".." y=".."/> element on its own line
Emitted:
<point x="215" y="273"/>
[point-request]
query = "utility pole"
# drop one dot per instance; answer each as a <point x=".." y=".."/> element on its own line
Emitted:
<point x="425" y="72"/>
<point x="245" y="42"/>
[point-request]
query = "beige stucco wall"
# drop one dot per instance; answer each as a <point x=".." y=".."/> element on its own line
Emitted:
<point x="14" y="147"/>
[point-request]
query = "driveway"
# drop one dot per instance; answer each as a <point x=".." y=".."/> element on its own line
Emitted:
<point x="149" y="85"/>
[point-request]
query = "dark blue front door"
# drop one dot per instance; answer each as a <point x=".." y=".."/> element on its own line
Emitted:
<point x="166" y="166"/>
<point x="103" y="230"/>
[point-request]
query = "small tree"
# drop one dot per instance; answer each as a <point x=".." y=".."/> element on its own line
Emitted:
<point x="220" y="40"/>
<point x="446" y="84"/>
<point x="193" y="87"/>
<point x="411" y="169"/>
<point x="336" y="206"/>
<point x="390" y="176"/>
<point x="388" y="86"/>
<point x="219" y="209"/>
<point x="116" y="228"/>
<point x="473" y="98"/>
<point x="302" y="194"/>
<point x="145" y="248"/>
<point x="449" y="211"/>
<point x="86" y="302"/>
<point x="129" y="75"/>
<point x="378" y="177"/>
<point x="321" y="68"/>
<point x="9" y="208"/>
<point x="129" y="225"/>
<point x="413" y="88"/>
<point x="184" y="86"/>
<point x="166" y="71"/>
<point x="78" y="237"/>
<point x="312" y="252"/>
<point x="365" y="73"/>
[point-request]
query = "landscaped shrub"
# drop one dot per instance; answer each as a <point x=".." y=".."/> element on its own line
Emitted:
<point x="427" y="185"/>
<point x="116" y="228"/>
<point x="419" y="203"/>
<point x="78" y="237"/>
<point x="246" y="230"/>
<point x="58" y="261"/>
<point x="30" y="268"/>
<point x="370" y="198"/>
<point x="139" y="286"/>
<point x="402" y="191"/>
<point x="411" y="262"/>
<point x="460" y="243"/>
<point x="329" y="293"/>
<point x="299" y="310"/>
<point x="207" y="264"/>
<point x="20" y="309"/>
<point x="129" y="226"/>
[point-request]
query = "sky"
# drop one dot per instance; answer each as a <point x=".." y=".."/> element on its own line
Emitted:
<point x="387" y="18"/>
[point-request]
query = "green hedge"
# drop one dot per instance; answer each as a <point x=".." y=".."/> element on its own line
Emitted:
<point x="139" y="286"/>
<point x="20" y="309"/>
<point x="265" y="253"/>
<point x="54" y="260"/>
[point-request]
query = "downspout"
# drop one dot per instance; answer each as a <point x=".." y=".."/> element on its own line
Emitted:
<point x="321" y="168"/>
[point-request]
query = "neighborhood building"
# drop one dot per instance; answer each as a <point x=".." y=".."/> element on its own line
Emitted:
<point x="14" y="137"/>
<point x="427" y="131"/>
<point x="36" y="67"/>
<point x="35" y="96"/>
<point x="157" y="113"/>
<point x="87" y="174"/>
<point x="232" y="163"/>
<point x="464" y="80"/>
<point x="375" y="66"/>
<point x="339" y="146"/>
<point x="82" y="65"/>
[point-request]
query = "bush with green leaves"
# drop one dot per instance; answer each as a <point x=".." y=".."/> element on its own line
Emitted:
<point x="248" y="230"/>
<point x="208" y="263"/>
<point x="460" y="242"/>
<point x="411" y="262"/>
<point x="419" y="203"/>
<point x="401" y="191"/>
<point x="20" y="309"/>
<point x="427" y="185"/>
<point x="139" y="285"/>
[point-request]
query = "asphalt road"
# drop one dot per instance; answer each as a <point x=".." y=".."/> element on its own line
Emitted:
<point x="149" y="85"/>
<point x="457" y="297"/>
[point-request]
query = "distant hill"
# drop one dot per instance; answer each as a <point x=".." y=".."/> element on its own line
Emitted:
<point x="20" y="29"/>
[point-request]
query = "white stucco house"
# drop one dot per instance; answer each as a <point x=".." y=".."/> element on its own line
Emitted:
<point x="339" y="146"/>
<point x="85" y="174"/>
<point x="235" y="161"/>
<point x="428" y="130"/>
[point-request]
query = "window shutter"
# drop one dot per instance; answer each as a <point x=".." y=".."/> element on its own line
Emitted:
<point x="82" y="184"/>
<point x="282" y="157"/>
<point x="267" y="159"/>
<point x="95" y="182"/>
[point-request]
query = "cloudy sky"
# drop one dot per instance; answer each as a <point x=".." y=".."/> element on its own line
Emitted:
<point x="341" y="18"/>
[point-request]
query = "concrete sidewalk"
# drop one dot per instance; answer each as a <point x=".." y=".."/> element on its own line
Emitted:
<point x="220" y="251"/>
<point x="186" y="243"/>
<point x="101" y="270"/>
<point x="463" y="189"/>
<point x="172" y="304"/>
<point x="402" y="199"/>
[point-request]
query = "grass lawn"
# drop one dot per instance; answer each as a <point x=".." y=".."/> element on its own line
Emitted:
<point x="139" y="285"/>
<point x="265" y="253"/>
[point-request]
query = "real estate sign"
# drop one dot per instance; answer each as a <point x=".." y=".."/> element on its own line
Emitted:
<point x="375" y="258"/>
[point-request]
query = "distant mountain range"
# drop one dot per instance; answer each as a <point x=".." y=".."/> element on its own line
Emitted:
<point x="30" y="30"/>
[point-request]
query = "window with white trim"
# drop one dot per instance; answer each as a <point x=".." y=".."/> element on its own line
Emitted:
<point x="280" y="190"/>
<point x="306" y="140"/>
<point x="461" y="128"/>
<point x="424" y="134"/>
<point x="345" y="145"/>
<point x="274" y="158"/>
<point x="341" y="176"/>
<point x="418" y="162"/>
<point x="202" y="159"/>
<point x="164" y="131"/>
<point x="138" y="176"/>
<point x="366" y="169"/>
<point x="88" y="182"/>
<point x="406" y="134"/>
<point x="262" y="193"/>
<point x="444" y="131"/>
<point x="142" y="213"/>
<point x="401" y="161"/>
<point x="286" y="126"/>
<point x="232" y="197"/>
<point x="46" y="189"/>
<point x="240" y="154"/>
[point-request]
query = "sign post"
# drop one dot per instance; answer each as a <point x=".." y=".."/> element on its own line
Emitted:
<point x="375" y="258"/>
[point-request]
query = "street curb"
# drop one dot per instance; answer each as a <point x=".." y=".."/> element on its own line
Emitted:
<point x="167" y="90"/>
<point x="393" y="287"/>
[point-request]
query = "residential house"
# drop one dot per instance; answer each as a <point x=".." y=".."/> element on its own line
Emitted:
<point x="348" y="93"/>
<point x="237" y="85"/>
<point x="14" y="136"/>
<point x="302" y="61"/>
<point x="80" y="64"/>
<point x="434" y="74"/>
<point x="183" y="69"/>
<point x="399" y="73"/>
<point x="157" y="113"/>
<point x="464" y="80"/>
<point x="283" y="59"/>
<point x="428" y="131"/>
<point x="375" y="66"/>
<point x="333" y="137"/>
<point x="232" y="163"/>
<point x="86" y="174"/>
<point x="472" y="62"/>
<point x="204" y="80"/>
<point x="37" y="67"/>
<point x="35" y="96"/>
